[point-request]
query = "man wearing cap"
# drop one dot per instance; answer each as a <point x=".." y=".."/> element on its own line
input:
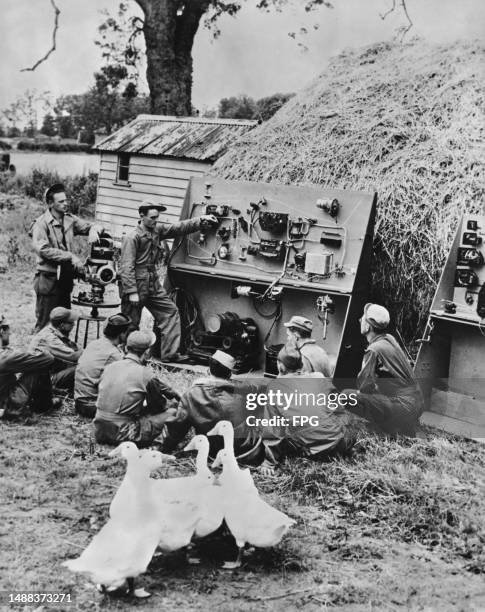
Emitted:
<point x="96" y="356"/>
<point x="54" y="338"/>
<point x="25" y="383"/>
<point x="53" y="240"/>
<point x="131" y="404"/>
<point x="327" y="431"/>
<point x="315" y="358"/>
<point x="388" y="394"/>
<point x="212" y="399"/>
<point x="142" y="250"/>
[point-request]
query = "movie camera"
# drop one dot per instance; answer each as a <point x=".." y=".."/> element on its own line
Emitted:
<point x="99" y="270"/>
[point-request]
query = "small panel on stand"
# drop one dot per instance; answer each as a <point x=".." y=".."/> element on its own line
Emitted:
<point x="451" y="360"/>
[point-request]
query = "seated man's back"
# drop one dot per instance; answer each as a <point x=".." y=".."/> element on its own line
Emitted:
<point x="95" y="358"/>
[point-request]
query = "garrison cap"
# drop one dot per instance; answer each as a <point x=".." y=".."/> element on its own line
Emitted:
<point x="140" y="340"/>
<point x="61" y="315"/>
<point x="225" y="359"/>
<point x="377" y="316"/>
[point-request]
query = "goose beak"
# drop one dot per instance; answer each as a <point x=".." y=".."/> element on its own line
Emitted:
<point x="190" y="446"/>
<point x="216" y="463"/>
<point x="214" y="431"/>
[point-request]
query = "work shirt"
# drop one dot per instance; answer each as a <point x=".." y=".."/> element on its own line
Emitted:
<point x="53" y="240"/>
<point x="310" y="396"/>
<point x="122" y="390"/>
<point x="315" y="358"/>
<point x="208" y="401"/>
<point x="387" y="371"/>
<point x="142" y="250"/>
<point x="65" y="352"/>
<point x="96" y="356"/>
<point x="14" y="362"/>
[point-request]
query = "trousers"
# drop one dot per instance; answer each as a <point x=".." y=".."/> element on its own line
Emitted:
<point x="165" y="313"/>
<point x="31" y="390"/>
<point x="50" y="293"/>
<point x="393" y="415"/>
<point x="141" y="430"/>
<point x="64" y="379"/>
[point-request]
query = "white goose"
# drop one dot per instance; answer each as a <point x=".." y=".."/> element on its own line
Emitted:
<point x="123" y="501"/>
<point x="124" y="547"/>
<point x="206" y="492"/>
<point x="178" y="510"/>
<point x="226" y="430"/>
<point x="250" y="519"/>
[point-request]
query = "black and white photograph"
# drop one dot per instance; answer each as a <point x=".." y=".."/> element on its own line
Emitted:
<point x="242" y="305"/>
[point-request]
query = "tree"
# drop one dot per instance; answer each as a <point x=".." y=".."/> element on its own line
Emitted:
<point x="48" y="125"/>
<point x="107" y="105"/>
<point x="168" y="28"/>
<point x="237" y="107"/>
<point x="268" y="106"/>
<point x="24" y="111"/>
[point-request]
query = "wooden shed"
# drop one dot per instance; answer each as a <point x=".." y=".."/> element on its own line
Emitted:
<point x="153" y="157"/>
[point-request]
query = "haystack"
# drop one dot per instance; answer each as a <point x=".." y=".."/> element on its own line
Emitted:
<point x="404" y="120"/>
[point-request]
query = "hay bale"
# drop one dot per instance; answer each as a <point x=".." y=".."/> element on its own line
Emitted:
<point x="405" y="120"/>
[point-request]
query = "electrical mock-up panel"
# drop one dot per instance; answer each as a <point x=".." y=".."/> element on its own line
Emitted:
<point x="451" y="359"/>
<point x="276" y="251"/>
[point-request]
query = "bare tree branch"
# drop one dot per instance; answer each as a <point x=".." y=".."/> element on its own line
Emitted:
<point x="410" y="25"/>
<point x="57" y="12"/>
<point x="403" y="30"/>
<point x="393" y="7"/>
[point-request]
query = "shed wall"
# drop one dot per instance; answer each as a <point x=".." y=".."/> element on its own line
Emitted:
<point x="162" y="178"/>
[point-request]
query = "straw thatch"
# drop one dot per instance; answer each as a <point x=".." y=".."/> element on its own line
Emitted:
<point x="405" y="120"/>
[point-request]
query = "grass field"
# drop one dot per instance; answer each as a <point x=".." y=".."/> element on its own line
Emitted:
<point x="399" y="526"/>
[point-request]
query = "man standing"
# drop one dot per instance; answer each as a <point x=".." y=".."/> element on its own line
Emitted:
<point x="315" y="358"/>
<point x="388" y="394"/>
<point x="53" y="236"/>
<point x="54" y="338"/>
<point x="92" y="363"/>
<point x="141" y="251"/>
<point x="131" y="405"/>
<point x="31" y="390"/>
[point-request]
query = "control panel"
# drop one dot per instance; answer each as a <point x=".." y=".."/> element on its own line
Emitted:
<point x="272" y="252"/>
<point x="469" y="279"/>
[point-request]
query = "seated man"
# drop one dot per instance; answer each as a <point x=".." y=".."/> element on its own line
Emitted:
<point x="210" y="400"/>
<point x="24" y="379"/>
<point x="96" y="356"/>
<point x="388" y="394"/>
<point x="54" y="338"/>
<point x="315" y="358"/>
<point x="131" y="405"/>
<point x="316" y="425"/>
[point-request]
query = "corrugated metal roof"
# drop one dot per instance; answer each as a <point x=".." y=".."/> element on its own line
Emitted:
<point x="182" y="137"/>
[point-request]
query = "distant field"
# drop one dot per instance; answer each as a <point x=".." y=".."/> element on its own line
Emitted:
<point x="66" y="164"/>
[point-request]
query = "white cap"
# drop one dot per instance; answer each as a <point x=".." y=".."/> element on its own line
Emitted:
<point x="377" y="316"/>
<point x="225" y="359"/>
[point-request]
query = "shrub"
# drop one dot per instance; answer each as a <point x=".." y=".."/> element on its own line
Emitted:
<point x="80" y="189"/>
<point x="54" y="146"/>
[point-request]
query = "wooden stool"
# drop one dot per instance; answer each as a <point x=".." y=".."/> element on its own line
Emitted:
<point x="88" y="319"/>
<point x="91" y="318"/>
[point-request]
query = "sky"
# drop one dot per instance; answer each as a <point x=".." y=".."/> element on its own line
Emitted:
<point x="254" y="54"/>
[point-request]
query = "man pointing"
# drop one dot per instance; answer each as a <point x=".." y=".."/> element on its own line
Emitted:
<point x="142" y="250"/>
